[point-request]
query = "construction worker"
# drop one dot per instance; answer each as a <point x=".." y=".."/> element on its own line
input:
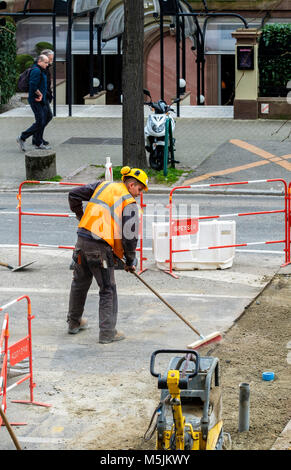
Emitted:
<point x="108" y="231"/>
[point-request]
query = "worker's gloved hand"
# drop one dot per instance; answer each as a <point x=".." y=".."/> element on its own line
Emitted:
<point x="131" y="268"/>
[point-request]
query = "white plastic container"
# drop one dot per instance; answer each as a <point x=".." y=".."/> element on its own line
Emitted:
<point x="108" y="170"/>
<point x="212" y="233"/>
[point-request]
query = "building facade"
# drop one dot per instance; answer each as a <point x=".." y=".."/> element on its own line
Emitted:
<point x="215" y="79"/>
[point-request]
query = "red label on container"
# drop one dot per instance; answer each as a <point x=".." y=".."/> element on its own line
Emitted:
<point x="19" y="351"/>
<point x="184" y="227"/>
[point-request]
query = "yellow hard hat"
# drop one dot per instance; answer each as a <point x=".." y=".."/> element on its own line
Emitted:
<point x="136" y="173"/>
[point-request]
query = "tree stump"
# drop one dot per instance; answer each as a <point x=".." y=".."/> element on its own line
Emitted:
<point x="40" y="165"/>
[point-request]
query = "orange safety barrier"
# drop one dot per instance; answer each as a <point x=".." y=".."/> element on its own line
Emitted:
<point x="4" y="352"/>
<point x="21" y="213"/>
<point x="17" y="352"/>
<point x="289" y="220"/>
<point x="192" y="223"/>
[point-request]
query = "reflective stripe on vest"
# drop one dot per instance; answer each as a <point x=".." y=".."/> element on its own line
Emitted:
<point x="103" y="214"/>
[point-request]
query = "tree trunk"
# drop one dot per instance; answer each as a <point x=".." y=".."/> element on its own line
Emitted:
<point x="132" y="85"/>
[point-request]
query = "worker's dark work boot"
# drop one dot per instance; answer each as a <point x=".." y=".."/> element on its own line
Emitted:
<point x="74" y="328"/>
<point x="117" y="337"/>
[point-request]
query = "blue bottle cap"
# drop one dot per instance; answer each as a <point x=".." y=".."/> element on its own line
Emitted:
<point x="268" y="375"/>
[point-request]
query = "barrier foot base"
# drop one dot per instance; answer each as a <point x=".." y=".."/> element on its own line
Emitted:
<point x="172" y="274"/>
<point x="285" y="264"/>
<point x="28" y="402"/>
<point x="15" y="424"/>
<point x="142" y="271"/>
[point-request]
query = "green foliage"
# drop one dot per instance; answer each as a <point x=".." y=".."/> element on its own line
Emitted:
<point x="154" y="176"/>
<point x="8" y="72"/>
<point x="173" y="175"/>
<point x="23" y="61"/>
<point x="40" y="46"/>
<point x="55" y="178"/>
<point x="275" y="59"/>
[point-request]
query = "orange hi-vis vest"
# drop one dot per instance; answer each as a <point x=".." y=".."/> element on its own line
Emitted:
<point x="103" y="214"/>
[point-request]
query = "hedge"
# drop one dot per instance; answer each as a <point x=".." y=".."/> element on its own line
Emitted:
<point x="275" y="59"/>
<point x="8" y="74"/>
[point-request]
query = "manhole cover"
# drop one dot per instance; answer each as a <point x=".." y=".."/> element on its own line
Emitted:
<point x="94" y="141"/>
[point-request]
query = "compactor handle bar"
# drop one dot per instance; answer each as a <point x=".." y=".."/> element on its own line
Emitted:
<point x="183" y="382"/>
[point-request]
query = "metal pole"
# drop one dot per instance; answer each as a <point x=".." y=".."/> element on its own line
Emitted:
<point x="183" y="49"/>
<point x="119" y="68"/>
<point x="198" y="68"/>
<point x="54" y="62"/>
<point x="178" y="62"/>
<point x="91" y="37"/>
<point x="244" y="407"/>
<point x="162" y="54"/>
<point x="99" y="52"/>
<point x="69" y="58"/>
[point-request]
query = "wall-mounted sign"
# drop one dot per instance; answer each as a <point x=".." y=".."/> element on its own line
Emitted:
<point x="245" y="57"/>
<point x="265" y="108"/>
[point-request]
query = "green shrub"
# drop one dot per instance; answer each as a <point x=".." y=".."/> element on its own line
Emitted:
<point x="40" y="46"/>
<point x="23" y="61"/>
<point x="275" y="59"/>
<point x="8" y="72"/>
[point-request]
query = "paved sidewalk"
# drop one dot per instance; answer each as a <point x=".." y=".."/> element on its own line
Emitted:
<point x="90" y="385"/>
<point x="203" y="136"/>
<point x="200" y="141"/>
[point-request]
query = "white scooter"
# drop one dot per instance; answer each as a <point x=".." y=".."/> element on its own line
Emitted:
<point x="155" y="131"/>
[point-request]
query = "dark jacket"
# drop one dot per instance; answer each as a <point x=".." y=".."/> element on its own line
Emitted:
<point x="129" y="243"/>
<point x="37" y="81"/>
<point x="49" y="91"/>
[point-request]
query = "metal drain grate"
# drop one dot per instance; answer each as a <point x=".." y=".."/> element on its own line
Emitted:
<point x="94" y="141"/>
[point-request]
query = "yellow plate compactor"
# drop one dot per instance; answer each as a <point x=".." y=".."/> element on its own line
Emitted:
<point x="190" y="408"/>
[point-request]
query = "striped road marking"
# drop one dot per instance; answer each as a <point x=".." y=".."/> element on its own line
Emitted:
<point x="267" y="156"/>
<point x="120" y="293"/>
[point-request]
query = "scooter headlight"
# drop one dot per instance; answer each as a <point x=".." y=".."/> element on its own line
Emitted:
<point x="157" y="128"/>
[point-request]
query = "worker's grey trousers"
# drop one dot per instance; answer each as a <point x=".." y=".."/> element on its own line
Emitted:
<point x="94" y="258"/>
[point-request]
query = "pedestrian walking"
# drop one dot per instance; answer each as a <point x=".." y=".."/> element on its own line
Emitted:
<point x="36" y="98"/>
<point x="108" y="231"/>
<point x="49" y="93"/>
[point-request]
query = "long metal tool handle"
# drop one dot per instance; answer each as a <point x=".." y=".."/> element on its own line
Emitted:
<point x="9" y="428"/>
<point x="167" y="304"/>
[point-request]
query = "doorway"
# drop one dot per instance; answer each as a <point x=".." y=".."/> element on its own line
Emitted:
<point x="112" y="64"/>
<point x="227" y="79"/>
<point x="113" y="78"/>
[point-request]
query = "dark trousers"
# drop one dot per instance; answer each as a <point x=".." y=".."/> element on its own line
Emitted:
<point x="48" y="118"/>
<point x="94" y="259"/>
<point x="36" y="129"/>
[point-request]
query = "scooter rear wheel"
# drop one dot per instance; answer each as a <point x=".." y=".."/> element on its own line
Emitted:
<point x="156" y="159"/>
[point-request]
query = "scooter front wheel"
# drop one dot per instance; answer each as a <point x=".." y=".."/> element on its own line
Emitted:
<point x="156" y="159"/>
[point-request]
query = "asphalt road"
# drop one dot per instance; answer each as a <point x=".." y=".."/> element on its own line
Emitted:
<point x="62" y="230"/>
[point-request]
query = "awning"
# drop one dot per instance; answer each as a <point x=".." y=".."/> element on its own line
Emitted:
<point x="33" y="30"/>
<point x="111" y="15"/>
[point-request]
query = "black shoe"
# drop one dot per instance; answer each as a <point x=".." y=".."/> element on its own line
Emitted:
<point x="45" y="142"/>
